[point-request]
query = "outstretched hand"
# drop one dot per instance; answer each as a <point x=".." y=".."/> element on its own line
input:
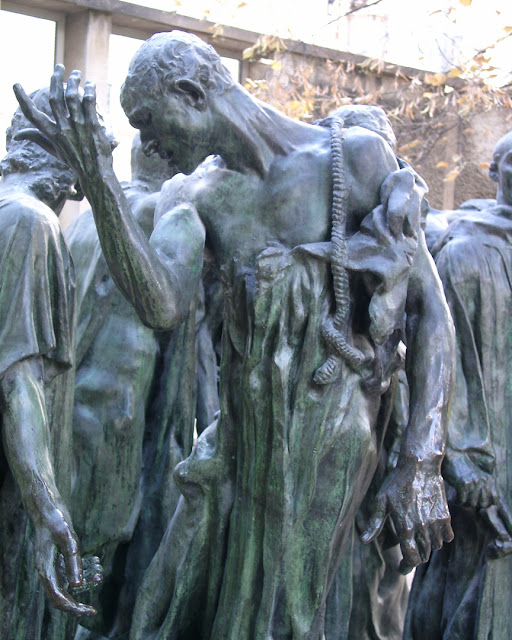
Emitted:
<point x="50" y="540"/>
<point x="416" y="502"/>
<point x="76" y="136"/>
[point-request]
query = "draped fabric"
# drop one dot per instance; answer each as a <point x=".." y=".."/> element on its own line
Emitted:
<point x="36" y="279"/>
<point x="271" y="489"/>
<point x="36" y="320"/>
<point x="462" y="594"/>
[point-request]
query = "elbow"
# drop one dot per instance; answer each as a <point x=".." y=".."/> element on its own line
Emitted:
<point x="163" y="316"/>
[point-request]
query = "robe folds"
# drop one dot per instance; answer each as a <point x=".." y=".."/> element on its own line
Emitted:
<point x="271" y="488"/>
<point x="37" y="293"/>
<point x="463" y="594"/>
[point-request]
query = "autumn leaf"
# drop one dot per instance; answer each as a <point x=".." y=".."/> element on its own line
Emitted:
<point x="442" y="165"/>
<point x="411" y="145"/>
<point x="435" y="79"/>
<point x="241" y="5"/>
<point x="248" y="53"/>
<point x="453" y="175"/>
<point x="217" y="29"/>
<point x="466" y="3"/>
<point x="276" y="65"/>
<point x="455" y="72"/>
<point x="484" y="165"/>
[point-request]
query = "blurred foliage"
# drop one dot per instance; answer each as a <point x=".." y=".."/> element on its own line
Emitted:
<point x="423" y="107"/>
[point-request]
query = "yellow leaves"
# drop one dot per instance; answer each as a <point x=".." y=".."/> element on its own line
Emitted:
<point x="453" y="175"/>
<point x="298" y="109"/>
<point x="485" y="165"/>
<point x="435" y="79"/>
<point x="264" y="44"/>
<point x="411" y="145"/>
<point x="442" y="165"/>
<point x="465" y="3"/>
<point x="455" y="72"/>
<point x="481" y="59"/>
<point x="249" y="53"/>
<point x="217" y="29"/>
<point x="241" y="5"/>
<point x="507" y="29"/>
<point x="276" y="66"/>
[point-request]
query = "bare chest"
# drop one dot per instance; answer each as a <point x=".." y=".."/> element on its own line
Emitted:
<point x="244" y="213"/>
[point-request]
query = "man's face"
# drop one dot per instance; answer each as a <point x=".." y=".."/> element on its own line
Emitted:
<point x="170" y="126"/>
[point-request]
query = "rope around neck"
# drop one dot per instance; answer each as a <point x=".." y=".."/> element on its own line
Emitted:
<point x="335" y="329"/>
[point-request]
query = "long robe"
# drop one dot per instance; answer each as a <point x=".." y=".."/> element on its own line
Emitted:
<point x="270" y="491"/>
<point x="36" y="320"/>
<point x="461" y="594"/>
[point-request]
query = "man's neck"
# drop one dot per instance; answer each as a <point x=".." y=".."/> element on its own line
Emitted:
<point x="27" y="184"/>
<point x="254" y="133"/>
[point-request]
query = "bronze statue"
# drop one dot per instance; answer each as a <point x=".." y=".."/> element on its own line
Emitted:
<point x="307" y="369"/>
<point x="37" y="340"/>
<point x="465" y="591"/>
<point x="133" y="416"/>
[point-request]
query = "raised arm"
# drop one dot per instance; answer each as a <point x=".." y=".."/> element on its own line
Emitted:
<point x="156" y="282"/>
<point x="26" y="443"/>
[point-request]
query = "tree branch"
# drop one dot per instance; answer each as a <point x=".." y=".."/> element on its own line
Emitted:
<point x="344" y="15"/>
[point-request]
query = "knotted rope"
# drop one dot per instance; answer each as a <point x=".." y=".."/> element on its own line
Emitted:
<point x="336" y="329"/>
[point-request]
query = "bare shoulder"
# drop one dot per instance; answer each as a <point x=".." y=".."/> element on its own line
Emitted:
<point x="188" y="188"/>
<point x="368" y="160"/>
<point x="364" y="148"/>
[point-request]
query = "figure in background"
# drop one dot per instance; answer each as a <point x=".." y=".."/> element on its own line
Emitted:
<point x="133" y="416"/>
<point x="37" y="340"/>
<point x="438" y="220"/>
<point x="465" y="591"/>
<point x="271" y="489"/>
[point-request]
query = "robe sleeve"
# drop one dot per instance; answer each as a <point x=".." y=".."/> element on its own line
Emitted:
<point x="36" y="287"/>
<point x="469" y="429"/>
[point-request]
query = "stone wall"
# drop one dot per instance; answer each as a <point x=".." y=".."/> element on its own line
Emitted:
<point x="445" y="145"/>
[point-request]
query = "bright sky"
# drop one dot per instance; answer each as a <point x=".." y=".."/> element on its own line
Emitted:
<point x="417" y="33"/>
<point x="20" y="63"/>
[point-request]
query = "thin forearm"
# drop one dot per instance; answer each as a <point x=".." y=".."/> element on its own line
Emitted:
<point x="26" y="439"/>
<point x="430" y="368"/>
<point x="135" y="266"/>
<point x="430" y="390"/>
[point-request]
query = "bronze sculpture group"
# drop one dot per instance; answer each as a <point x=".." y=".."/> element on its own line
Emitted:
<point x="331" y="311"/>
